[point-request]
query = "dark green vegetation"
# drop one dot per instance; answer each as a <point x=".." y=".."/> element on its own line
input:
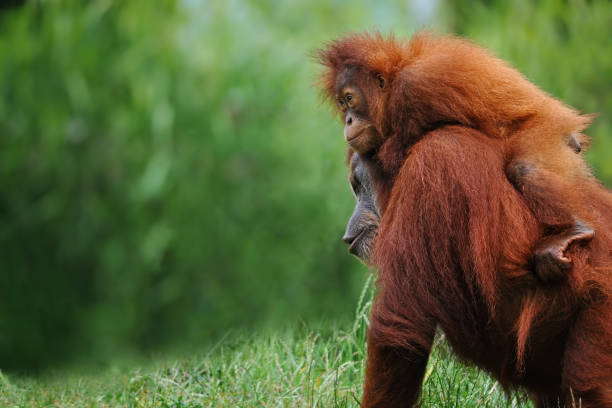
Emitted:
<point x="168" y="172"/>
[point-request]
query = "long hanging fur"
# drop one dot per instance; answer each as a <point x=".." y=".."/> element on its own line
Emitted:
<point x="433" y="81"/>
<point x="453" y="249"/>
<point x="456" y="238"/>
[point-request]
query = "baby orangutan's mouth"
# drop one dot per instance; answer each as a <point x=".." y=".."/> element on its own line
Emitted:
<point x="355" y="135"/>
<point x="363" y="139"/>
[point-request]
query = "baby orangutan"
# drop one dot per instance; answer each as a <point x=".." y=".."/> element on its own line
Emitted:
<point x="390" y="93"/>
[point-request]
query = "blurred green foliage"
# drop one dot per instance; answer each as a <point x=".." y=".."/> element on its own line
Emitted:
<point x="169" y="172"/>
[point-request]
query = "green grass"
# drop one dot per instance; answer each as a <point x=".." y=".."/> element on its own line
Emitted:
<point x="300" y="368"/>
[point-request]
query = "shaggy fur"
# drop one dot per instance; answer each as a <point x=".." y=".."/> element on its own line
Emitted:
<point x="453" y="250"/>
<point x="456" y="239"/>
<point x="434" y="81"/>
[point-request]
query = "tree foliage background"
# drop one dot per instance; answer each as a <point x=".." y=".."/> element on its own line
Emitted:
<point x="169" y="172"/>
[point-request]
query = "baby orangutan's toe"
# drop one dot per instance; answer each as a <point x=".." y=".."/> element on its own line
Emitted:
<point x="551" y="264"/>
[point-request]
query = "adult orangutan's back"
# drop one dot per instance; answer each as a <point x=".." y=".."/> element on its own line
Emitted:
<point x="454" y="249"/>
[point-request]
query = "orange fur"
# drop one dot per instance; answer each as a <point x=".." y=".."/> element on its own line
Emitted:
<point x="434" y="81"/>
<point x="456" y="238"/>
<point x="453" y="251"/>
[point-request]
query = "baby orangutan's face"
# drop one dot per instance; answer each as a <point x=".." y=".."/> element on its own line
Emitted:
<point x="353" y="86"/>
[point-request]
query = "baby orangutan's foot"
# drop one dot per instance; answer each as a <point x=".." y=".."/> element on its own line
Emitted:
<point x="551" y="264"/>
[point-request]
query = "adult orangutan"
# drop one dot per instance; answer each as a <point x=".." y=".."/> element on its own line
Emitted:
<point x="391" y="92"/>
<point x="453" y="249"/>
<point x="362" y="227"/>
